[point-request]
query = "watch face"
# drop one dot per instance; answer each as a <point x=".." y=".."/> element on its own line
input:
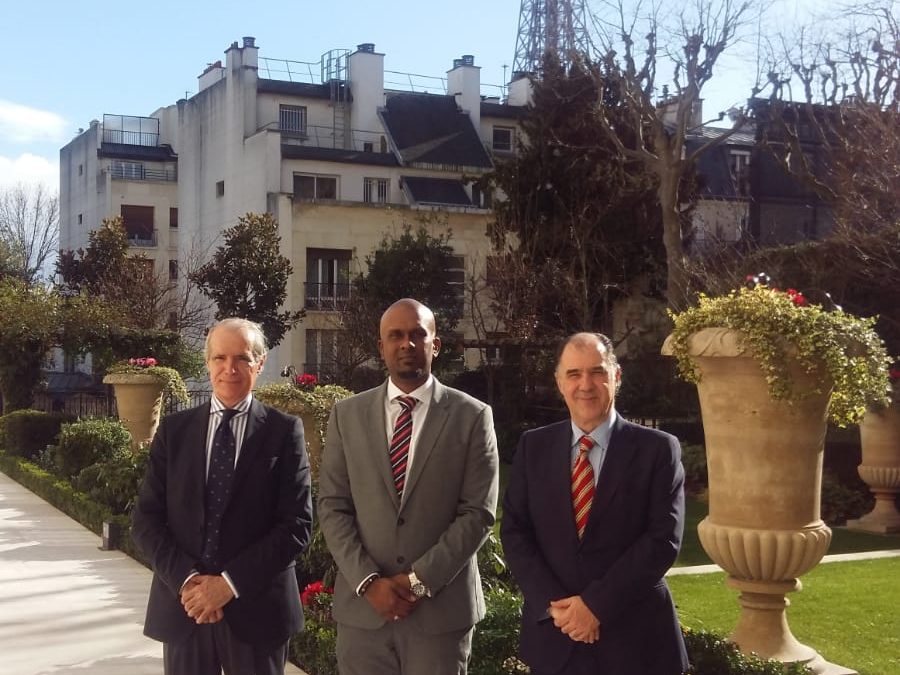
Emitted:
<point x="418" y="589"/>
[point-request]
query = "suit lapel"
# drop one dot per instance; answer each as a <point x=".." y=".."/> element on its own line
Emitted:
<point x="379" y="451"/>
<point x="253" y="437"/>
<point x="615" y="466"/>
<point x="194" y="446"/>
<point x="432" y="425"/>
<point x="558" y="475"/>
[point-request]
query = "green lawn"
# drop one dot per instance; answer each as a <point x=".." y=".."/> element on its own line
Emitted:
<point x="848" y="611"/>
<point x="843" y="540"/>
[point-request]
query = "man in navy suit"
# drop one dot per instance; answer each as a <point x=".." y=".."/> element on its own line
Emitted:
<point x="223" y="511"/>
<point x="592" y="519"/>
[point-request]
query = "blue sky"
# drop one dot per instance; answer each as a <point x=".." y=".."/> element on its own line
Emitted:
<point x="65" y="63"/>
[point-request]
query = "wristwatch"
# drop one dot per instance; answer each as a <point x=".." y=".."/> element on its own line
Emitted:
<point x="417" y="587"/>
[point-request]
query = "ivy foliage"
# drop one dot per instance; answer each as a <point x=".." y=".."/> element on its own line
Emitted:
<point x="845" y="351"/>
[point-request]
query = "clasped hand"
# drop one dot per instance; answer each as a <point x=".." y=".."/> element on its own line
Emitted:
<point x="204" y="596"/>
<point x="575" y="619"/>
<point x="391" y="597"/>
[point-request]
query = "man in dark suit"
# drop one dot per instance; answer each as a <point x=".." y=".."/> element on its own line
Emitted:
<point x="592" y="519"/>
<point x="407" y="496"/>
<point x="223" y="511"/>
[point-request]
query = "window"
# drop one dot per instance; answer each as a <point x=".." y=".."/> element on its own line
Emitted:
<point x="127" y="170"/>
<point x="80" y="169"/>
<point x="173" y="270"/>
<point x="503" y="139"/>
<point x="368" y="146"/>
<point x="483" y="199"/>
<point x="321" y="347"/>
<point x="327" y="278"/>
<point x="220" y="188"/>
<point x="173" y="217"/>
<point x="292" y="120"/>
<point x="455" y="277"/>
<point x="139" y="224"/>
<point x="739" y="168"/>
<point x="375" y="190"/>
<point x="453" y="352"/>
<point x="172" y="321"/>
<point x="79" y="219"/>
<point x="313" y="188"/>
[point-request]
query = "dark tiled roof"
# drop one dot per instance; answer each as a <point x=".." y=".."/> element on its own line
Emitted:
<point x="294" y="88"/>
<point x="742" y="137"/>
<point x="158" y="153"/>
<point x="512" y="112"/>
<point x="423" y="190"/>
<point x="62" y="382"/>
<point x="429" y="129"/>
<point x="289" y="151"/>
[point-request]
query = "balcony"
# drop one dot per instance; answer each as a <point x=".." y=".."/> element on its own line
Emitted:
<point x="328" y="297"/>
<point x="138" y="171"/>
<point x="142" y="239"/>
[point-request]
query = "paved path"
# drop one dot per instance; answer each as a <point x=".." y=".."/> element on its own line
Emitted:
<point x="66" y="607"/>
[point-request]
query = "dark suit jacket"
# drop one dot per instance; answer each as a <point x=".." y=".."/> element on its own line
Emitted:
<point x="446" y="513"/>
<point x="632" y="537"/>
<point x="267" y="523"/>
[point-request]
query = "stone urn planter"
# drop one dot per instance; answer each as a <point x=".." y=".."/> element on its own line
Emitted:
<point x="880" y="469"/>
<point x="139" y="398"/>
<point x="765" y="475"/>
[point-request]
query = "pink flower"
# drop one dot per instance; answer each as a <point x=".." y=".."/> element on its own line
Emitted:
<point x="143" y="362"/>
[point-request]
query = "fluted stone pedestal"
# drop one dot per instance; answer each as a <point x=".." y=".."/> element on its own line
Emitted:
<point x="880" y="469"/>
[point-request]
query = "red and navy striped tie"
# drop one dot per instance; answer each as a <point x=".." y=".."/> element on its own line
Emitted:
<point x="400" y="441"/>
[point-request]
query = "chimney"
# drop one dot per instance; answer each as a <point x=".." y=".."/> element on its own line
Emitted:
<point x="212" y="74"/>
<point x="520" y="89"/>
<point x="365" y="73"/>
<point x="464" y="84"/>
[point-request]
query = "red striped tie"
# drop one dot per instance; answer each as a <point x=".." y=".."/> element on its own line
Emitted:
<point x="400" y="441"/>
<point x="582" y="484"/>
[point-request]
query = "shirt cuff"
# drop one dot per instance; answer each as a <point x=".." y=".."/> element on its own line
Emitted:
<point x="189" y="577"/>
<point x="365" y="583"/>
<point x="230" y="584"/>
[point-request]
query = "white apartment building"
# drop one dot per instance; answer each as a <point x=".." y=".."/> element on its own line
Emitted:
<point x="339" y="158"/>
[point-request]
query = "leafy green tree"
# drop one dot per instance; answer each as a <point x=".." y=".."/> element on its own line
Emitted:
<point x="37" y="319"/>
<point x="584" y="218"/>
<point x="248" y="276"/>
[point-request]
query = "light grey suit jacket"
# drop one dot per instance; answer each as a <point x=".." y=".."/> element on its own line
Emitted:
<point x="447" y="510"/>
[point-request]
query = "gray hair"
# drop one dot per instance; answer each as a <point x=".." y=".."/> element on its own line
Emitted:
<point x="252" y="330"/>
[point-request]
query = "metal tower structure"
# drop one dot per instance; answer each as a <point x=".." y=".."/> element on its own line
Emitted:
<point x="556" y="26"/>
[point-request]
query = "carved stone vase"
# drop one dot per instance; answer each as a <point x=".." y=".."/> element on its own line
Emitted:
<point x="880" y="469"/>
<point x="764" y="461"/>
<point x="139" y="402"/>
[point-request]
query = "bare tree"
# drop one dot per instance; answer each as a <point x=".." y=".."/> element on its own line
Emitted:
<point x="691" y="42"/>
<point x="29" y="229"/>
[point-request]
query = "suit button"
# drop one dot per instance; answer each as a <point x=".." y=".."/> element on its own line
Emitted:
<point x="401" y="559"/>
<point x="401" y="521"/>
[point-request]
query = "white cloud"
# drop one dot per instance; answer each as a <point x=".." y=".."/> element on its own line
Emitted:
<point x="28" y="169"/>
<point x="22" y="124"/>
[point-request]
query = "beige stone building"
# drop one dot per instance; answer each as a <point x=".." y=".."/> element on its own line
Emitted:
<point x="336" y="153"/>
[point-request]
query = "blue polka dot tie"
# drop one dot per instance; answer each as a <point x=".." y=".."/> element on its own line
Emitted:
<point x="218" y="484"/>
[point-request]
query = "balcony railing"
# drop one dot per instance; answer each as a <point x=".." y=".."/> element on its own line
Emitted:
<point x="134" y="171"/>
<point x="143" y="138"/>
<point x="142" y="239"/>
<point x="327" y="297"/>
<point x="317" y="136"/>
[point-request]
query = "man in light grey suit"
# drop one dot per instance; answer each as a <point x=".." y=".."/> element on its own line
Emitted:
<point x="407" y="496"/>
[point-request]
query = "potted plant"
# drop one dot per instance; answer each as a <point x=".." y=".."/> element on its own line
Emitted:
<point x="880" y="468"/>
<point x="771" y="369"/>
<point x="141" y="387"/>
<point x="304" y="397"/>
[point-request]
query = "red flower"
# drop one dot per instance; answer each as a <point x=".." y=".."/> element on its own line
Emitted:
<point x="894" y="373"/>
<point x="796" y="297"/>
<point x="312" y="590"/>
<point x="306" y="381"/>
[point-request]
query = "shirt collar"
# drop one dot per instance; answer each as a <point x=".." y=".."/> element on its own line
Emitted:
<point x="600" y="434"/>
<point x="216" y="406"/>
<point x="421" y="394"/>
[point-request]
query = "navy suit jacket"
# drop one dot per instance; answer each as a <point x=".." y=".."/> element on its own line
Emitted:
<point x="266" y="524"/>
<point x="632" y="537"/>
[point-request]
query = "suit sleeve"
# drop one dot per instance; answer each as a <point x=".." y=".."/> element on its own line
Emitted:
<point x="645" y="562"/>
<point x="337" y="511"/>
<point x="256" y="565"/>
<point x="149" y="527"/>
<point x="520" y="545"/>
<point x="476" y="510"/>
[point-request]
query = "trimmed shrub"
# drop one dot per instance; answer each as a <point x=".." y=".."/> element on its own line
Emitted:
<point x="89" y="441"/>
<point x="711" y="654"/>
<point x="25" y="433"/>
<point x="115" y="480"/>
